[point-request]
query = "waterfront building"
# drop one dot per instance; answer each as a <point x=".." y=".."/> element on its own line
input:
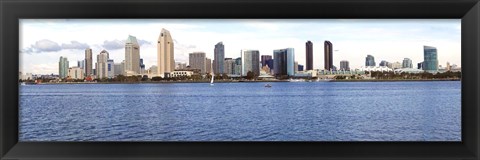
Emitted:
<point x="295" y="66"/>
<point x="238" y="66"/>
<point x="283" y="62"/>
<point x="344" y="65"/>
<point x="63" y="67"/>
<point x="420" y="65"/>
<point x="449" y="67"/>
<point x="182" y="73"/>
<point x="250" y="62"/>
<point x="180" y="65"/>
<point x="395" y="65"/>
<point x="370" y="60"/>
<point x="408" y="70"/>
<point x="430" y="61"/>
<point x="196" y="60"/>
<point x="384" y="63"/>
<point x="165" y="56"/>
<point x="208" y="65"/>
<point x="376" y="68"/>
<point x="219" y="58"/>
<point x="229" y="66"/>
<point x="101" y="66"/>
<point x="88" y="62"/>
<point x="300" y="67"/>
<point x="265" y="59"/>
<point x="142" y="66"/>
<point x="110" y="68"/>
<point x="75" y="73"/>
<point x="118" y="69"/>
<point x="407" y="63"/>
<point x="328" y="55"/>
<point x="309" y="55"/>
<point x="132" y="55"/>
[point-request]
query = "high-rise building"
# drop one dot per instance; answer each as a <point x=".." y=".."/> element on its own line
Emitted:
<point x="142" y="66"/>
<point x="63" y="67"/>
<point x="88" y="62"/>
<point x="344" y="65"/>
<point x="449" y="67"/>
<point x="328" y="55"/>
<point x="370" y="60"/>
<point x="118" y="69"/>
<point x="430" y="61"/>
<point x="208" y="65"/>
<point x="219" y="56"/>
<point x="229" y="66"/>
<point x="101" y="66"/>
<point x="283" y="62"/>
<point x="196" y="60"/>
<point x="81" y="64"/>
<point x="295" y="66"/>
<point x="384" y="63"/>
<point x="180" y="65"/>
<point x="309" y="56"/>
<point x="238" y="66"/>
<point x="132" y="56"/>
<point x="165" y="59"/>
<point x="265" y="58"/>
<point x="300" y="67"/>
<point x="395" y="65"/>
<point x="75" y="73"/>
<point x="407" y="63"/>
<point x="250" y="62"/>
<point x="110" y="68"/>
<point x="420" y="65"/>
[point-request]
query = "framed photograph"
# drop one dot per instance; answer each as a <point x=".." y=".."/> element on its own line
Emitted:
<point x="239" y="79"/>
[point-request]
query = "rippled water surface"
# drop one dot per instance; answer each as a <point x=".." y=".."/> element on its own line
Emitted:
<point x="317" y="111"/>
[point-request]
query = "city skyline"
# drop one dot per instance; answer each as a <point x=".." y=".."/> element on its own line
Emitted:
<point x="37" y="50"/>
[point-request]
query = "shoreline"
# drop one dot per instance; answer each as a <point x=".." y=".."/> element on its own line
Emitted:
<point x="246" y="81"/>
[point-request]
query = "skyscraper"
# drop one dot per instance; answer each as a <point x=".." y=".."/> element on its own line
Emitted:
<point x="165" y="56"/>
<point x="219" y="56"/>
<point x="197" y="60"/>
<point x="238" y="66"/>
<point x="384" y="63"/>
<point x="142" y="66"/>
<point x="309" y="56"/>
<point x="369" y="60"/>
<point x="265" y="59"/>
<point x="328" y="55"/>
<point x="63" y="67"/>
<point x="407" y="63"/>
<point x="430" y="61"/>
<point x="88" y="62"/>
<point x="101" y="66"/>
<point x="132" y="56"/>
<point x="229" y="66"/>
<point x="283" y="62"/>
<point x="344" y="65"/>
<point x="110" y="68"/>
<point x="250" y="62"/>
<point x="208" y="65"/>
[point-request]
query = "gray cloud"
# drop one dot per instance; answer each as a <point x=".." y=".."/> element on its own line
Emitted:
<point x="46" y="45"/>
<point x="113" y="45"/>
<point x="75" y="45"/>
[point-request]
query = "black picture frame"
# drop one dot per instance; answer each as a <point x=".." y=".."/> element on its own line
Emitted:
<point x="13" y="10"/>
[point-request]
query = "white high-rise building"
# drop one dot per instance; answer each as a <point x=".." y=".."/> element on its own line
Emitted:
<point x="101" y="66"/>
<point x="132" y="55"/>
<point x="165" y="59"/>
<point x="251" y="62"/>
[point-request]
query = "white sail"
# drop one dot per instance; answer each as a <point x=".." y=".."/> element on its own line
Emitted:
<point x="213" y="74"/>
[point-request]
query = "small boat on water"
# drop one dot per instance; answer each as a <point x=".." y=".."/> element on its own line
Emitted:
<point x="23" y="83"/>
<point x="268" y="85"/>
<point x="213" y="75"/>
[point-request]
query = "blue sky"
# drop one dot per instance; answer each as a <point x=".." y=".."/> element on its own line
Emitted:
<point x="43" y="41"/>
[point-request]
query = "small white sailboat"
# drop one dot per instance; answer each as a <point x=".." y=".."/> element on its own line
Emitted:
<point x="213" y="75"/>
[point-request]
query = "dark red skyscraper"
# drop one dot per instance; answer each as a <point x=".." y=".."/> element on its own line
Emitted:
<point x="309" y="56"/>
<point x="328" y="55"/>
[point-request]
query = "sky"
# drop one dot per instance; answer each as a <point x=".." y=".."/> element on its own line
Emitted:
<point x="43" y="41"/>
